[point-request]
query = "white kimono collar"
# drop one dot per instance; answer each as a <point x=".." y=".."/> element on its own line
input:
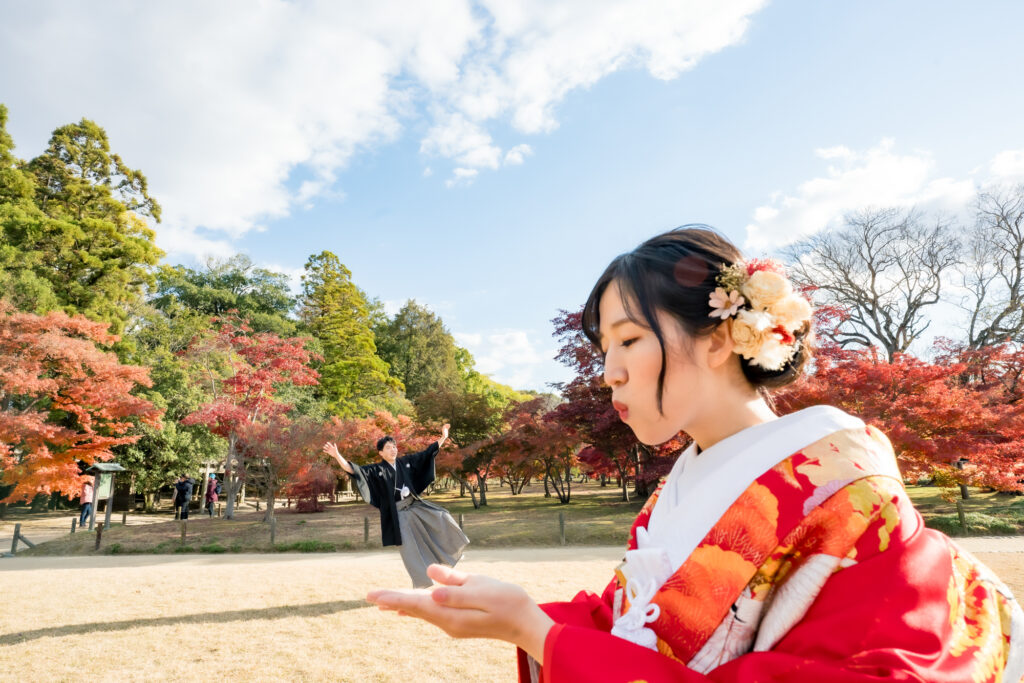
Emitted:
<point x="698" y="491"/>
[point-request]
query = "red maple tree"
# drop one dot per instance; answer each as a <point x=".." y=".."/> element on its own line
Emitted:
<point x="516" y="461"/>
<point x="588" y="413"/>
<point x="356" y="438"/>
<point x="311" y="482"/>
<point x="278" y="450"/>
<point x="932" y="417"/>
<point x="244" y="372"/>
<point x="62" y="399"/>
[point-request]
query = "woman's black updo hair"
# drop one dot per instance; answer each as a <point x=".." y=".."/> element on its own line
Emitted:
<point x="676" y="272"/>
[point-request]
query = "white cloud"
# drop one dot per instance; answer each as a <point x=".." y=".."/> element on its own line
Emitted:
<point x="221" y="103"/>
<point x="539" y="50"/>
<point x="468" y="340"/>
<point x="188" y="242"/>
<point x="516" y="155"/>
<point x="392" y="306"/>
<point x="1008" y="167"/>
<point x="461" y="176"/>
<point x="294" y="276"/>
<point x="878" y="177"/>
<point x="512" y="357"/>
<point x="464" y="141"/>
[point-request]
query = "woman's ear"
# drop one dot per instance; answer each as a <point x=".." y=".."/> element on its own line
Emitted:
<point x="720" y="345"/>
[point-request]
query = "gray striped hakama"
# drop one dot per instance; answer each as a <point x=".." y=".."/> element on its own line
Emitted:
<point x="429" y="536"/>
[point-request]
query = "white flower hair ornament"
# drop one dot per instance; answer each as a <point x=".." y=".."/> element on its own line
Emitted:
<point x="766" y="312"/>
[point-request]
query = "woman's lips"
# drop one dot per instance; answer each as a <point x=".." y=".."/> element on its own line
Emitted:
<point x="622" y="409"/>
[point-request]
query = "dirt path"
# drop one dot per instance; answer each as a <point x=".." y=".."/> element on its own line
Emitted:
<point x="50" y="525"/>
<point x="982" y="545"/>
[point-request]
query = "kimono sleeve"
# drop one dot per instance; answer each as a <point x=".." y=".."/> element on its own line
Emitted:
<point x="840" y="640"/>
<point x="359" y="477"/>
<point x="419" y="472"/>
<point x="586" y="610"/>
<point x="883" y="618"/>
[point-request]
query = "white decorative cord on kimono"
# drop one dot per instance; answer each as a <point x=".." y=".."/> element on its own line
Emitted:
<point x="645" y="570"/>
<point x="632" y="625"/>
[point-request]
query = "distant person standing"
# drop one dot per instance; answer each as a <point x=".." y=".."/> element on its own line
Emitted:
<point x="85" y="501"/>
<point x="424" y="532"/>
<point x="183" y="494"/>
<point x="176" y="498"/>
<point x="212" y="487"/>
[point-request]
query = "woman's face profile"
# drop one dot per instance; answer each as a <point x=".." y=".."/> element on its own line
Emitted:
<point x="632" y="365"/>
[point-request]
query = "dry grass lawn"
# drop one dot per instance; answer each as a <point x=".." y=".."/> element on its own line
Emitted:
<point x="280" y="617"/>
<point x="254" y="617"/>
<point x="596" y="516"/>
<point x="290" y="616"/>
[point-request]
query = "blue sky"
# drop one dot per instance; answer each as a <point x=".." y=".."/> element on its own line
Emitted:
<point x="489" y="158"/>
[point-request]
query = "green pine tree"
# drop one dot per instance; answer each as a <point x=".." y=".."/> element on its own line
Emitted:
<point x="354" y="380"/>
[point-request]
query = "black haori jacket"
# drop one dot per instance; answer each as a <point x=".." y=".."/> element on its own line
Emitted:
<point x="377" y="485"/>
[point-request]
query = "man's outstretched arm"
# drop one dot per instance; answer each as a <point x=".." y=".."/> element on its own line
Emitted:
<point x="331" y="449"/>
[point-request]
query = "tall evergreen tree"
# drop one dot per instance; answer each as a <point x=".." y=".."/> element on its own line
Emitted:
<point x="259" y="295"/>
<point x="354" y="380"/>
<point x="87" y="235"/>
<point x="420" y="351"/>
<point x="19" y="216"/>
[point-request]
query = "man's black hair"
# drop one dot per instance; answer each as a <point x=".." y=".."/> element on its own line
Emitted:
<point x="383" y="441"/>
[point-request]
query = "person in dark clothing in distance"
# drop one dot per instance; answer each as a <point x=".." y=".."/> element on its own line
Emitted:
<point x="212" y="489"/>
<point x="183" y="493"/>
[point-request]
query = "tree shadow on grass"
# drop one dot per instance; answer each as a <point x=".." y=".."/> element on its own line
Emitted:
<point x="315" y="610"/>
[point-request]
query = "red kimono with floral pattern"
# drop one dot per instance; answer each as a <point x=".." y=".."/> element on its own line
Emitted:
<point x="821" y="570"/>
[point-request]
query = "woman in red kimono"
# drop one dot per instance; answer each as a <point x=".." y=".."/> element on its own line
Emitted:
<point x="778" y="548"/>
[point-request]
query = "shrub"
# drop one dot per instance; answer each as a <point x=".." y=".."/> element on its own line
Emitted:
<point x="212" y="548"/>
<point x="978" y="524"/>
<point x="305" y="547"/>
<point x="312" y="482"/>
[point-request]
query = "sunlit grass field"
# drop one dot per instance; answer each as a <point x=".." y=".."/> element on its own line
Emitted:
<point x="595" y="516"/>
<point x="148" y="606"/>
<point x="254" y="617"/>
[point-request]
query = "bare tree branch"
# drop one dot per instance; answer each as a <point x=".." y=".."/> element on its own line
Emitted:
<point x="884" y="267"/>
<point x="993" y="271"/>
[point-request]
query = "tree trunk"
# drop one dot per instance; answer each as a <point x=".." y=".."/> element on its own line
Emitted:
<point x="231" y="480"/>
<point x="964" y="493"/>
<point x="547" y="491"/>
<point x="206" y="482"/>
<point x="269" y="515"/>
<point x="232" y="484"/>
<point x="639" y="485"/>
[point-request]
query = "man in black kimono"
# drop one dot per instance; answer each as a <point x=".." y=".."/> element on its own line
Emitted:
<point x="424" y="532"/>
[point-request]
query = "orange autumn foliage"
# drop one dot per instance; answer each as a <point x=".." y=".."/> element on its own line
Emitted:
<point x="62" y="399"/>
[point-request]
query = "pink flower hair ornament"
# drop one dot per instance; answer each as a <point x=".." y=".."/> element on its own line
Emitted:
<point x="765" y="312"/>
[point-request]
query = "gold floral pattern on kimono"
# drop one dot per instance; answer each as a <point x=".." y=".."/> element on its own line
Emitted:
<point x="824" y="509"/>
